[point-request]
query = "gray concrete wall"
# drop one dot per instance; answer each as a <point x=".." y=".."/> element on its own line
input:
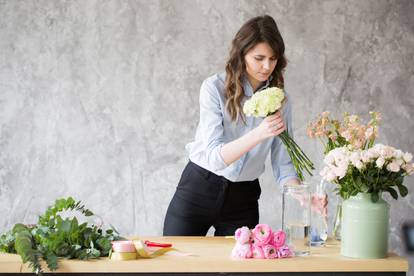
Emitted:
<point x="99" y="98"/>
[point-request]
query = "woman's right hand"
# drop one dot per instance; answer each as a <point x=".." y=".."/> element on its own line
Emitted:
<point x="271" y="126"/>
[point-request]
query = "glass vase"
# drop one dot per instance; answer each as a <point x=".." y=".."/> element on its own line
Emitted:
<point x="336" y="229"/>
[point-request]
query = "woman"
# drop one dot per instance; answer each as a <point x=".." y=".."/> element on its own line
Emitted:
<point x="219" y="186"/>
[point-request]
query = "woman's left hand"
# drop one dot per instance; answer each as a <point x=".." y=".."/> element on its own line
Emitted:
<point x="320" y="204"/>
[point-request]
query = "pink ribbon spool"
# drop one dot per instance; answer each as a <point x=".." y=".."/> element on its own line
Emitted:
<point x="123" y="246"/>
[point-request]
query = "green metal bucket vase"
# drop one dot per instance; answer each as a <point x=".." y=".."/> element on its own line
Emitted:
<point x="364" y="227"/>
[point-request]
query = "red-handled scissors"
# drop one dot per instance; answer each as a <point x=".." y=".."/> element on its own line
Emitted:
<point x="156" y="244"/>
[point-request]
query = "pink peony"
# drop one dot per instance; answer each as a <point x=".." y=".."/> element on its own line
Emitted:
<point x="279" y="238"/>
<point x="257" y="252"/>
<point x="242" y="235"/>
<point x="262" y="234"/>
<point x="284" y="252"/>
<point x="242" y="251"/>
<point x="270" y="252"/>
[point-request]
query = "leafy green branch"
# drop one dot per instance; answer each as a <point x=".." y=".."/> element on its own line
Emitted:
<point x="54" y="237"/>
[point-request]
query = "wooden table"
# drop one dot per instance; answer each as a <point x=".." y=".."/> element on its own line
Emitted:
<point x="213" y="258"/>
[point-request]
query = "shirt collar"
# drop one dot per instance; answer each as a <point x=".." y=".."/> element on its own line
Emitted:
<point x="248" y="90"/>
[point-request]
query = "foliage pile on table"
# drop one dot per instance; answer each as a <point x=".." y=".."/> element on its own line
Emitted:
<point x="55" y="236"/>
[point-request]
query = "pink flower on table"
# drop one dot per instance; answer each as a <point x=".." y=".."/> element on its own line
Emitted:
<point x="279" y="238"/>
<point x="242" y="235"/>
<point x="284" y="252"/>
<point x="257" y="252"/>
<point x="242" y="251"/>
<point x="262" y="234"/>
<point x="270" y="252"/>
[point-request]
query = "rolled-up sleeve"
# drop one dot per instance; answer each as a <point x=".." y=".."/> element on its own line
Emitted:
<point x="210" y="126"/>
<point x="282" y="165"/>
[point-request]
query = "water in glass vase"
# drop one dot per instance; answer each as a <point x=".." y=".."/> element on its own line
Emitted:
<point x="298" y="238"/>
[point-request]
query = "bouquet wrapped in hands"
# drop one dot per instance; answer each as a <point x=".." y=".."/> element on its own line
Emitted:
<point x="268" y="102"/>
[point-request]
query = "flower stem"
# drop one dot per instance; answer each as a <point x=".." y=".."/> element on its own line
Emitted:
<point x="299" y="159"/>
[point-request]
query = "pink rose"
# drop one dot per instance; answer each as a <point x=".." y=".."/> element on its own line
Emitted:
<point x="284" y="252"/>
<point x="242" y="235"/>
<point x="270" y="252"/>
<point x="279" y="238"/>
<point x="257" y="252"/>
<point x="242" y="251"/>
<point x="262" y="234"/>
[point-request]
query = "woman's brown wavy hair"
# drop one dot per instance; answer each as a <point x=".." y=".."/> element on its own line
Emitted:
<point x="256" y="30"/>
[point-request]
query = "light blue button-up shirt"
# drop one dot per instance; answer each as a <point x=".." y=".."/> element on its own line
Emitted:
<point x="216" y="128"/>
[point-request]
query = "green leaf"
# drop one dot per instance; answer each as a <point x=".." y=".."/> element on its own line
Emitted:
<point x="88" y="213"/>
<point x="65" y="226"/>
<point x="19" y="228"/>
<point x="374" y="197"/>
<point x="403" y="190"/>
<point x="51" y="261"/>
<point x="392" y="192"/>
<point x="7" y="242"/>
<point x="104" y="244"/>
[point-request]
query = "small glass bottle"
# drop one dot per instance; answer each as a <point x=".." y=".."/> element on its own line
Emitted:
<point x="319" y="219"/>
<point x="296" y="217"/>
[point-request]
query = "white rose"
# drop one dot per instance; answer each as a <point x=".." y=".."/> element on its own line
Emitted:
<point x="380" y="162"/>
<point x="359" y="165"/>
<point x="374" y="152"/>
<point x="355" y="158"/>
<point x="340" y="170"/>
<point x="398" y="154"/>
<point x="408" y="168"/>
<point x="407" y="157"/>
<point x="393" y="167"/>
<point x="365" y="156"/>
<point x="341" y="155"/>
<point x="387" y="152"/>
<point x="329" y="159"/>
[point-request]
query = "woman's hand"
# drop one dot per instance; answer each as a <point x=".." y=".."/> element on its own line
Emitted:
<point x="320" y="204"/>
<point x="271" y="126"/>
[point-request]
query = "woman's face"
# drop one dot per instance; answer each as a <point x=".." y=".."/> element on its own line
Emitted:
<point x="260" y="62"/>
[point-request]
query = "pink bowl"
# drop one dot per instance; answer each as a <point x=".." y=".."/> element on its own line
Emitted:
<point x="123" y="246"/>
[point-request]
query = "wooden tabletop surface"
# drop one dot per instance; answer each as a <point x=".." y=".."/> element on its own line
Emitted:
<point x="212" y="254"/>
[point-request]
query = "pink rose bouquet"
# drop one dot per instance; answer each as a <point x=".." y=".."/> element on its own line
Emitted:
<point x="260" y="243"/>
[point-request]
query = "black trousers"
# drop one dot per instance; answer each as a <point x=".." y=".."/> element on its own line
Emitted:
<point x="203" y="199"/>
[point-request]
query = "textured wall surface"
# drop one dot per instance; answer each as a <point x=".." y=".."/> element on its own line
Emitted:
<point x="99" y="98"/>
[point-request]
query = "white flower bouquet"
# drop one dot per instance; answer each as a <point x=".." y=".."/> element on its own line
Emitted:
<point x="267" y="102"/>
<point x="374" y="170"/>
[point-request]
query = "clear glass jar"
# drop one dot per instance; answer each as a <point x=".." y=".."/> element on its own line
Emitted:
<point x="296" y="208"/>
